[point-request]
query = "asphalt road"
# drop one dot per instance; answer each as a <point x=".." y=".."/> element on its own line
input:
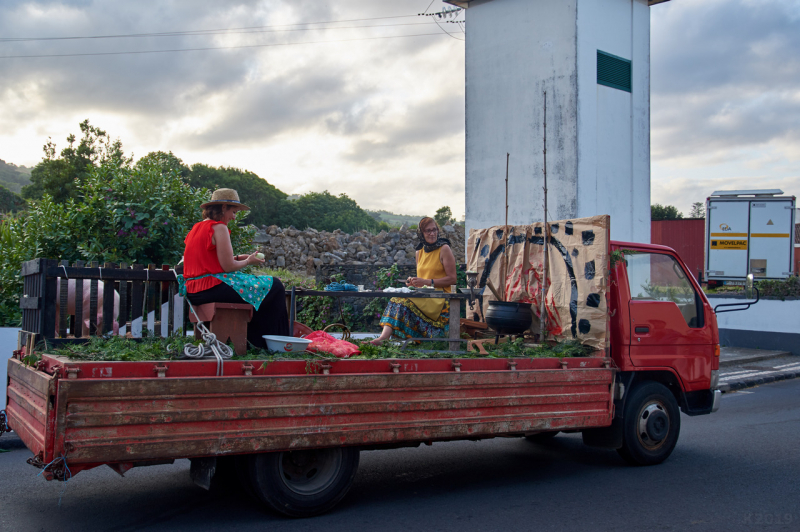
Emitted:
<point x="737" y="469"/>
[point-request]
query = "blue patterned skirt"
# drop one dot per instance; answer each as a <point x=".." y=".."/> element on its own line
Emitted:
<point x="407" y="321"/>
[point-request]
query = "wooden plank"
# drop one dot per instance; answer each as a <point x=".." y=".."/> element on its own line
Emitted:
<point x="47" y="317"/>
<point x="137" y="304"/>
<point x="455" y="324"/>
<point x="33" y="379"/>
<point x="123" y="302"/>
<point x="30" y="267"/>
<point x="63" y="303"/>
<point x="75" y="272"/>
<point x="108" y="299"/>
<point x="30" y="303"/>
<point x="93" y="302"/>
<point x="150" y="301"/>
<point x="171" y="293"/>
<point x="78" y="303"/>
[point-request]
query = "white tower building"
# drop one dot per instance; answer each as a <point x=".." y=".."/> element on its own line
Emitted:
<point x="593" y="59"/>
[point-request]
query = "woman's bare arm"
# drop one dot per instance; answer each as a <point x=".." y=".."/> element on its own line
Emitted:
<point x="222" y="239"/>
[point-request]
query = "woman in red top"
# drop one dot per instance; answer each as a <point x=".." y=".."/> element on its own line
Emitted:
<point x="212" y="272"/>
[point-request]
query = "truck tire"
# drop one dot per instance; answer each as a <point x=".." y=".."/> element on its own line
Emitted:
<point x="650" y="426"/>
<point x="303" y="483"/>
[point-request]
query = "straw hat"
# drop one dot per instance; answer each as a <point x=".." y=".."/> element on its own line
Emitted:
<point x="225" y="196"/>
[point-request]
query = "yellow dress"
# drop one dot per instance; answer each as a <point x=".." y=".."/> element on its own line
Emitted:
<point x="418" y="317"/>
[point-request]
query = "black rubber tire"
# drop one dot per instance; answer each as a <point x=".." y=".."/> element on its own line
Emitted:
<point x="650" y="412"/>
<point x="303" y="483"/>
<point x="542" y="437"/>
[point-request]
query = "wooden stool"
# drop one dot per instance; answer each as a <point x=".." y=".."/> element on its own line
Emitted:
<point x="226" y="321"/>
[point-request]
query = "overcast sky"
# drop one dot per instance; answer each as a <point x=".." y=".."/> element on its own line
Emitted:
<point x="357" y="109"/>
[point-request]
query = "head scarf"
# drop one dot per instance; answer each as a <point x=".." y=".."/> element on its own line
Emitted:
<point x="423" y="244"/>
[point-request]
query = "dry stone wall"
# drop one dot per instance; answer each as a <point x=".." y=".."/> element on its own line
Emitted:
<point x="309" y="250"/>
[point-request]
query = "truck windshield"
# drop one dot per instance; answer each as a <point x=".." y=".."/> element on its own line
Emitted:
<point x="658" y="277"/>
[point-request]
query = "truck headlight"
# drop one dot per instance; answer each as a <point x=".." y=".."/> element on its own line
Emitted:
<point x="714" y="379"/>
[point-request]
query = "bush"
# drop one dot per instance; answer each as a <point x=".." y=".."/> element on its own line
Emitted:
<point x="134" y="215"/>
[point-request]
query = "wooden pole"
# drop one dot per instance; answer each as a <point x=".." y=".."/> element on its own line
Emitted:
<point x="542" y="302"/>
<point x="505" y="238"/>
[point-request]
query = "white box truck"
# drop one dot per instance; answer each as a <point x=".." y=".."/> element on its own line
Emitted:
<point x="749" y="231"/>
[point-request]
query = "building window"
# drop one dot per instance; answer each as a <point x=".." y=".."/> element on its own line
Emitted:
<point x="613" y="71"/>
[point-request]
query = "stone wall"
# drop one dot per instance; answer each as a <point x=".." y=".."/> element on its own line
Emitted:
<point x="310" y="250"/>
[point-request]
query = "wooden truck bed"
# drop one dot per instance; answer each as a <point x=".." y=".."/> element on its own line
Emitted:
<point x="125" y="414"/>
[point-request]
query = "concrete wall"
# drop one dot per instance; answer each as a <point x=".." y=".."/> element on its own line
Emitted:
<point x="516" y="49"/>
<point x="598" y="138"/>
<point x="614" y="125"/>
<point x="8" y="343"/>
<point x="769" y="324"/>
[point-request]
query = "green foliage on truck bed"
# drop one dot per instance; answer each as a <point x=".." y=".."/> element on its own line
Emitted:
<point x="116" y="348"/>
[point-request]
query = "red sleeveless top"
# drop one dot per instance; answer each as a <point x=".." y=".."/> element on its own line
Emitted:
<point x="200" y="257"/>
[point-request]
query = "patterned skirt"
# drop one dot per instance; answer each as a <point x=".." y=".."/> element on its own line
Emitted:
<point x="407" y="321"/>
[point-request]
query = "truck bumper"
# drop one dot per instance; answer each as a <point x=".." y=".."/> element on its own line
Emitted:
<point x="716" y="401"/>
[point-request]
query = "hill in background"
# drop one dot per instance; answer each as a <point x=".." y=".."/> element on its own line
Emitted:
<point x="14" y="177"/>
<point x="396" y="220"/>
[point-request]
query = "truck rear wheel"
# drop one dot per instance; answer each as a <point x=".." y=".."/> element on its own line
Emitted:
<point x="650" y="426"/>
<point x="303" y="483"/>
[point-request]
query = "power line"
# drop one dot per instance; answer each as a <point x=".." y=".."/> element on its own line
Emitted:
<point x="219" y="47"/>
<point x="202" y="32"/>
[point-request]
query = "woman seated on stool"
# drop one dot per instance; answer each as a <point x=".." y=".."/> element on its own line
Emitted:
<point x="436" y="268"/>
<point x="211" y="271"/>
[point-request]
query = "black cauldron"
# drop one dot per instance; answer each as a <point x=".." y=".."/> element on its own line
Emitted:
<point x="509" y="317"/>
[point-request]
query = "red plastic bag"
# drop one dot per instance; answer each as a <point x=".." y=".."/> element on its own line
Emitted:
<point x="322" y="341"/>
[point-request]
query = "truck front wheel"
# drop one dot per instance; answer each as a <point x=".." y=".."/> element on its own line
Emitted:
<point x="650" y="426"/>
<point x="303" y="483"/>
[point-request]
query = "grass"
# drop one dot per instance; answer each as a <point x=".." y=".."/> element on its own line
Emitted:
<point x="152" y="349"/>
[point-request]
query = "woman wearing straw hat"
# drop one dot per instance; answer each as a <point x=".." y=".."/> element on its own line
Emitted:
<point x="211" y="270"/>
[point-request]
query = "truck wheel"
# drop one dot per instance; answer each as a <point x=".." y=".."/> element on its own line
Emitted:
<point x="650" y="425"/>
<point x="303" y="483"/>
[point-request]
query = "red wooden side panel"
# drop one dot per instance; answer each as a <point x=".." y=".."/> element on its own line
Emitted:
<point x="687" y="237"/>
<point x="29" y="409"/>
<point x="121" y="420"/>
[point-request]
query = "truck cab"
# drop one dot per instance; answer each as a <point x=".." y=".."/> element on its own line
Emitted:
<point x="665" y="342"/>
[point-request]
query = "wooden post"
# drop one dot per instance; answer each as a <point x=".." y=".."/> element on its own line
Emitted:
<point x="78" y="303"/>
<point x="93" y="302"/>
<point x="455" y="324"/>
<point x="137" y="304"/>
<point x="63" y="303"/>
<point x="108" y="298"/>
<point x="151" y="303"/>
<point x="543" y="302"/>
<point x="124" y="298"/>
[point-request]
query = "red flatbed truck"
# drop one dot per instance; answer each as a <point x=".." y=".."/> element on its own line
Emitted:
<point x="293" y="430"/>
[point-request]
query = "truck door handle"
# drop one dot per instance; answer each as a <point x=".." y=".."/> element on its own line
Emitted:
<point x="641" y="330"/>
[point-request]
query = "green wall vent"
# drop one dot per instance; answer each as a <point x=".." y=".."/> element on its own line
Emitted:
<point x="613" y="71"/>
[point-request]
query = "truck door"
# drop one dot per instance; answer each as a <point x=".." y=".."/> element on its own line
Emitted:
<point x="771" y="242"/>
<point x="727" y="239"/>
<point x="667" y="327"/>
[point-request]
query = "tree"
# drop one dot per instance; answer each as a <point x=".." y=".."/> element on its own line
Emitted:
<point x="166" y="162"/>
<point x="10" y="202"/>
<point x="444" y="216"/>
<point x="267" y="203"/>
<point x="698" y="210"/>
<point x="60" y="176"/>
<point x="326" y="212"/>
<point x="664" y="212"/>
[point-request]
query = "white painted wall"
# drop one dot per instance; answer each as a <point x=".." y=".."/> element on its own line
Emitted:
<point x="8" y="343"/>
<point x="515" y="49"/>
<point x="767" y="315"/>
<point x="598" y="138"/>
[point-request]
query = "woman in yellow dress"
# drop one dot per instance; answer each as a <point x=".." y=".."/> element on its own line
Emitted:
<point x="436" y="268"/>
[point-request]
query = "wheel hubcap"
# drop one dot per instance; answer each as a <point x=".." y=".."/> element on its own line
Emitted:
<point x="310" y="472"/>
<point x="653" y="426"/>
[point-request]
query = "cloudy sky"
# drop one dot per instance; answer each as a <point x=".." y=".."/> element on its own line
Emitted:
<point x="367" y="98"/>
